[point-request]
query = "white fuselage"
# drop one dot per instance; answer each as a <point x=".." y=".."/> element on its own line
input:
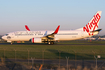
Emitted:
<point x="61" y="35"/>
<point x="50" y="36"/>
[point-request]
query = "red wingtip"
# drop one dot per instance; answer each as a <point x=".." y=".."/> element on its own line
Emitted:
<point x="56" y="31"/>
<point x="27" y="28"/>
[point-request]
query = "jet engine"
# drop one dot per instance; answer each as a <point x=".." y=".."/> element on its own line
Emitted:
<point x="36" y="40"/>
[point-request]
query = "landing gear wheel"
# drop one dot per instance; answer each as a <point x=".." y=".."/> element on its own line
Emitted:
<point x="51" y="43"/>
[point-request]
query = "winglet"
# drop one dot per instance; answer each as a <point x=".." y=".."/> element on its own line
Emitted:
<point x="45" y="33"/>
<point x="56" y="31"/>
<point x="27" y="28"/>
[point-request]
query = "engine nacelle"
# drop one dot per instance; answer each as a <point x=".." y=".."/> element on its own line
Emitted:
<point x="36" y="40"/>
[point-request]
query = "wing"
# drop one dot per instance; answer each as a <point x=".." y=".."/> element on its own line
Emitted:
<point x="51" y="36"/>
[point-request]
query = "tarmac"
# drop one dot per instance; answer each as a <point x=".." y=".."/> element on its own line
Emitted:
<point x="44" y="44"/>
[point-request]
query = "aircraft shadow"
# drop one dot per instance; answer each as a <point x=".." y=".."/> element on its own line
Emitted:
<point x="74" y="57"/>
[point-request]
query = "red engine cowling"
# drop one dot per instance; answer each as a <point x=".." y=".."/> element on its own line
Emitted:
<point x="36" y="40"/>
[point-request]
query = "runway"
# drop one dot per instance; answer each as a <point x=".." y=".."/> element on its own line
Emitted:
<point x="45" y="44"/>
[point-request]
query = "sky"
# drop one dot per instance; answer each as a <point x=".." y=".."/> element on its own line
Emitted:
<point x="48" y="14"/>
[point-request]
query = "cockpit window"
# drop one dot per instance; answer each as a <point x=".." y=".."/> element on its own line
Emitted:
<point x="6" y="34"/>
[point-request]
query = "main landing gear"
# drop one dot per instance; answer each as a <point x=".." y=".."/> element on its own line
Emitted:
<point x="50" y="42"/>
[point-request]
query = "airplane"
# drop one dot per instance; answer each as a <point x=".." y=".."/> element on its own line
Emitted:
<point x="50" y="37"/>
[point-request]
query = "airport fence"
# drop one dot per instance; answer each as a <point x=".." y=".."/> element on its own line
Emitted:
<point x="50" y="54"/>
<point x="69" y="59"/>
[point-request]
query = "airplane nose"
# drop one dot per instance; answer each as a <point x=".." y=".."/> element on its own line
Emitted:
<point x="3" y="37"/>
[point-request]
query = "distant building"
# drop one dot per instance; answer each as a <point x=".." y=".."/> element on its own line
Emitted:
<point x="102" y="38"/>
<point x="0" y="37"/>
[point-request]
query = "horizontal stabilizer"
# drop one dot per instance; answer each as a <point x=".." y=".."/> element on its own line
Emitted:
<point x="97" y="30"/>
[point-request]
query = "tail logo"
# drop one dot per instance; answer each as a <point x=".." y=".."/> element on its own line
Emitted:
<point x="92" y="25"/>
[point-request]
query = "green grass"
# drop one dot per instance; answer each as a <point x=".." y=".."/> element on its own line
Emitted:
<point x="52" y="51"/>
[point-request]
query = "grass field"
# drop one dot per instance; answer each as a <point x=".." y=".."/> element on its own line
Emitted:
<point x="77" y="50"/>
